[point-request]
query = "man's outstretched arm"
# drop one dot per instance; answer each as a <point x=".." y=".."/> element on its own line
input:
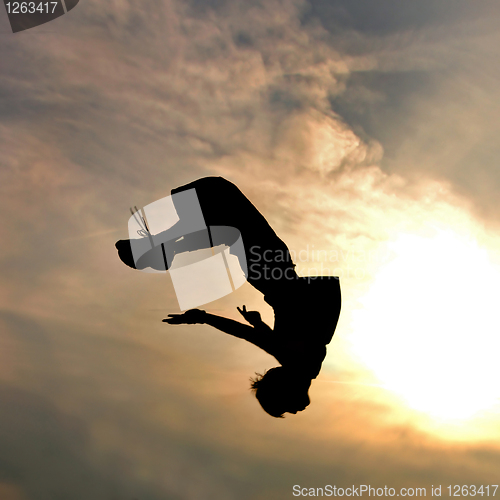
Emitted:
<point x="226" y="325"/>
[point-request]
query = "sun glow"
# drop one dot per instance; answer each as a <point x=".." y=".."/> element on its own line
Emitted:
<point x="429" y="327"/>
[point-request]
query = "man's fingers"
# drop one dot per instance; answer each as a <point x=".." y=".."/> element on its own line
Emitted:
<point x="172" y="319"/>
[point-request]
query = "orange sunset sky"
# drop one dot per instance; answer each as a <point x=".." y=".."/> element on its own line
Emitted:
<point x="365" y="131"/>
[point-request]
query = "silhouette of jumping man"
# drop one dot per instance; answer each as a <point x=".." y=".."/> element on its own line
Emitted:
<point x="306" y="309"/>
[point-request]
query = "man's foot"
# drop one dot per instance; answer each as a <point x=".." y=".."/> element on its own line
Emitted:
<point x="125" y="253"/>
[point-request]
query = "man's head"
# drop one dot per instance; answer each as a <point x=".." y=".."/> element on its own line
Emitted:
<point x="279" y="391"/>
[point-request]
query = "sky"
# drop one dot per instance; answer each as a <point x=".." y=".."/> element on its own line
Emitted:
<point x="365" y="132"/>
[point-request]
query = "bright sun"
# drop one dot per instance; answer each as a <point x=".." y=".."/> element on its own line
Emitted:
<point x="429" y="327"/>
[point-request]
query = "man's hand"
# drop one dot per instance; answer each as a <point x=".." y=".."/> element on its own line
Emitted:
<point x="188" y="318"/>
<point x="253" y="317"/>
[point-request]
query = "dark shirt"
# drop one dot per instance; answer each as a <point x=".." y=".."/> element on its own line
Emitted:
<point x="305" y="319"/>
<point x="306" y="310"/>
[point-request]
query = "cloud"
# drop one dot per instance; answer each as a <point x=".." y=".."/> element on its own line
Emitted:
<point x="343" y="128"/>
<point x="427" y="90"/>
<point x="114" y="417"/>
<point x="382" y="18"/>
